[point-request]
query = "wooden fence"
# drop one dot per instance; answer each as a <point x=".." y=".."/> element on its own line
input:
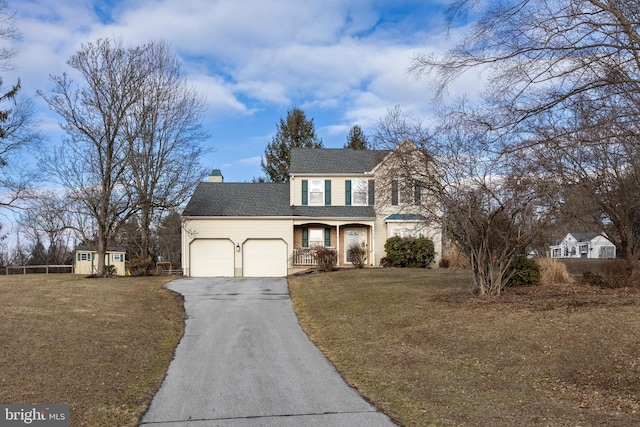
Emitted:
<point x="36" y="269"/>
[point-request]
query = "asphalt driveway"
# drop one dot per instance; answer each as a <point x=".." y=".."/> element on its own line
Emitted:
<point x="245" y="361"/>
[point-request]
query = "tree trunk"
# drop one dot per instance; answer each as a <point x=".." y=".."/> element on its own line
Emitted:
<point x="145" y="226"/>
<point x="101" y="252"/>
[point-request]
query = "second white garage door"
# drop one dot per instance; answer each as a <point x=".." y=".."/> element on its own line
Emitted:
<point x="264" y="258"/>
<point x="212" y="258"/>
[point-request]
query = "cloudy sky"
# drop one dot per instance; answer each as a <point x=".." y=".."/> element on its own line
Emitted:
<point x="344" y="62"/>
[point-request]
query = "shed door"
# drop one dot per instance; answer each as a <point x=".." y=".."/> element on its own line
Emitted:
<point x="212" y="258"/>
<point x="264" y="258"/>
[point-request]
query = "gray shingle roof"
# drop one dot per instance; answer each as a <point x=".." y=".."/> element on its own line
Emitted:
<point x="260" y="199"/>
<point x="239" y="199"/>
<point x="335" y="211"/>
<point x="334" y="160"/>
<point x="109" y="249"/>
<point x="585" y="237"/>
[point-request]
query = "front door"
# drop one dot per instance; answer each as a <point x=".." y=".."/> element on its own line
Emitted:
<point x="353" y="237"/>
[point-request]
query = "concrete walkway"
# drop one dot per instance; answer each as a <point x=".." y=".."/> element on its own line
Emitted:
<point x="245" y="361"/>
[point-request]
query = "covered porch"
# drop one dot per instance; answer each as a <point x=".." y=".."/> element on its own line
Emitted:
<point x="309" y="236"/>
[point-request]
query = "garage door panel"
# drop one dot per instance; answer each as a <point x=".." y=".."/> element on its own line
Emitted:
<point x="212" y="258"/>
<point x="265" y="258"/>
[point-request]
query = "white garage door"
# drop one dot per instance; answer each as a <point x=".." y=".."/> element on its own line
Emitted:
<point x="212" y="258"/>
<point x="264" y="258"/>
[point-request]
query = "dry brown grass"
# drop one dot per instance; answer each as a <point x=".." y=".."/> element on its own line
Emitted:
<point x="455" y="258"/>
<point x="553" y="272"/>
<point x="416" y="344"/>
<point x="100" y="345"/>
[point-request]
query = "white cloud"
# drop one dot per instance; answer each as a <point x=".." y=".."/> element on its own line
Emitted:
<point x="219" y="94"/>
<point x="342" y="58"/>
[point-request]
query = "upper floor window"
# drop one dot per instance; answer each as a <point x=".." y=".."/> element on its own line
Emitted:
<point x="405" y="192"/>
<point x="316" y="192"/>
<point x="359" y="192"/>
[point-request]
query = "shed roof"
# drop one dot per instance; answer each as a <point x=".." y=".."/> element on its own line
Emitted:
<point x="87" y="248"/>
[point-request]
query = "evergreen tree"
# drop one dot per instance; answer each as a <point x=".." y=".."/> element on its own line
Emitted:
<point x="38" y="255"/>
<point x="357" y="139"/>
<point x="294" y="132"/>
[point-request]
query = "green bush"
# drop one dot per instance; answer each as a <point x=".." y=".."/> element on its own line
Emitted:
<point x="386" y="262"/>
<point x="410" y="251"/>
<point x="524" y="272"/>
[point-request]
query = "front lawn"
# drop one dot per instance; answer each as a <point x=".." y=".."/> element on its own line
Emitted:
<point x="417" y="345"/>
<point x="100" y="345"/>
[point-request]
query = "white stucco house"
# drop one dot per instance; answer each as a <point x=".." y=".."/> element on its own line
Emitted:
<point x="583" y="245"/>
<point x="334" y="198"/>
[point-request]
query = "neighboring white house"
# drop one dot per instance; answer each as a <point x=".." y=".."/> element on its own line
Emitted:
<point x="85" y="260"/>
<point x="583" y="245"/>
<point x="335" y="198"/>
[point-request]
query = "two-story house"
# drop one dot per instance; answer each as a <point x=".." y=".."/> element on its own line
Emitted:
<point x="335" y="198"/>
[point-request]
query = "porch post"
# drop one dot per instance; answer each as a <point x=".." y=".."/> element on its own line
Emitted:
<point x="338" y="242"/>
<point x="373" y="244"/>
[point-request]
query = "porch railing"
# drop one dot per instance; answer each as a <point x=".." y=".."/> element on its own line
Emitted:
<point x="305" y="256"/>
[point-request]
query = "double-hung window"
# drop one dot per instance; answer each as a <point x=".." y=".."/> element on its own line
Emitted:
<point x="316" y="192"/>
<point x="405" y="192"/>
<point x="359" y="192"/>
<point x="316" y="237"/>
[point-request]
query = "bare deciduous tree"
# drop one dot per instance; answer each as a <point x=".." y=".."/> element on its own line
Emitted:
<point x="472" y="186"/>
<point x="47" y="219"/>
<point x="539" y="55"/>
<point x="564" y="75"/>
<point x="133" y="138"/>
<point x="94" y="156"/>
<point x="165" y="134"/>
<point x="17" y="129"/>
<point x="595" y="155"/>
